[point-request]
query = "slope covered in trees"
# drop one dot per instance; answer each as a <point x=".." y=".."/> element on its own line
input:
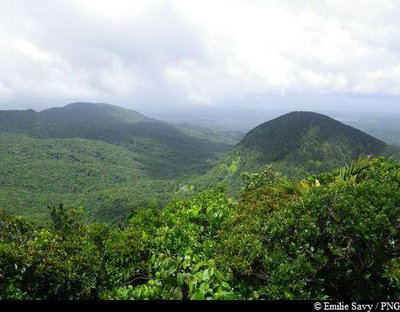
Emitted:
<point x="329" y="236"/>
<point x="104" y="158"/>
<point x="297" y="144"/>
<point x="164" y="150"/>
<point x="110" y="160"/>
<point x="107" y="180"/>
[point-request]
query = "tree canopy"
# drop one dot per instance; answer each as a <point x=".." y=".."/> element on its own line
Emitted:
<point x="329" y="236"/>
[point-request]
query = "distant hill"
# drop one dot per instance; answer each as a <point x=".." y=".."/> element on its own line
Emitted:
<point x="297" y="144"/>
<point x="102" y="157"/>
<point x="109" y="160"/>
<point x="164" y="150"/>
<point x="95" y="112"/>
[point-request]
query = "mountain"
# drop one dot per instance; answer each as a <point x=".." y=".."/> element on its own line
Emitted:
<point x="309" y="140"/>
<point x="102" y="157"/>
<point x="297" y="144"/>
<point x="110" y="160"/>
<point x="94" y="112"/>
<point x="164" y="150"/>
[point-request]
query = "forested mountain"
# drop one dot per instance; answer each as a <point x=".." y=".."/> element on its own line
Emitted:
<point x="296" y="144"/>
<point x="110" y="160"/>
<point x="103" y="157"/>
<point x="163" y="149"/>
<point x="110" y="210"/>
<point x="94" y="112"/>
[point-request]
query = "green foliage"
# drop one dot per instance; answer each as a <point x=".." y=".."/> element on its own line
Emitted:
<point x="104" y="158"/>
<point x="354" y="170"/>
<point x="333" y="235"/>
<point x="329" y="236"/>
<point x="255" y="180"/>
<point x="65" y="221"/>
<point x="106" y="180"/>
<point x="179" y="278"/>
<point x="50" y="264"/>
<point x="339" y="239"/>
<point x="163" y="150"/>
<point x="296" y="144"/>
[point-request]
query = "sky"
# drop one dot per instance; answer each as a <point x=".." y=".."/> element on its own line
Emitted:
<point x="186" y="56"/>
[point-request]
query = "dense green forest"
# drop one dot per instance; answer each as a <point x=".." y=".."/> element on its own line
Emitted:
<point x="163" y="150"/>
<point x="296" y="144"/>
<point x="106" y="179"/>
<point x="108" y="160"/>
<point x="100" y="202"/>
<point x="329" y="236"/>
<point x="101" y="157"/>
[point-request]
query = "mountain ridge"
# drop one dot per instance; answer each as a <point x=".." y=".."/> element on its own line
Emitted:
<point x="91" y="143"/>
<point x="103" y="158"/>
<point x="174" y="150"/>
<point x="78" y="111"/>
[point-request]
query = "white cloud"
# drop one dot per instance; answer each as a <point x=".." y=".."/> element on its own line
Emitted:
<point x="381" y="81"/>
<point x="117" y="9"/>
<point x="197" y="52"/>
<point x="253" y="49"/>
<point x="31" y="51"/>
<point x="271" y="47"/>
<point x="5" y="93"/>
<point x="119" y="78"/>
<point x="32" y="72"/>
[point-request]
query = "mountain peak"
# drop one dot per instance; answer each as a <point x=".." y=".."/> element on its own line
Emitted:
<point x="292" y="127"/>
<point x="312" y="141"/>
<point x="90" y="105"/>
<point x="304" y="117"/>
<point x="87" y="111"/>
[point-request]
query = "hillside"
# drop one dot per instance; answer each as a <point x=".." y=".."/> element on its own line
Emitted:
<point x="106" y="180"/>
<point x="104" y="158"/>
<point x="296" y="144"/>
<point x="333" y="236"/>
<point x="110" y="160"/>
<point x="94" y="112"/>
<point x="164" y="150"/>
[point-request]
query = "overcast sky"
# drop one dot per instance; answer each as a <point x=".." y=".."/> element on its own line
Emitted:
<point x="161" y="55"/>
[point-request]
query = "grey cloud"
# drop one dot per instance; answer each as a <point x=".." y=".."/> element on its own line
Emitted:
<point x="194" y="53"/>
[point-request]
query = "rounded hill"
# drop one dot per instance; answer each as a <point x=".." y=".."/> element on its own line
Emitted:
<point x="296" y="144"/>
<point x="309" y="134"/>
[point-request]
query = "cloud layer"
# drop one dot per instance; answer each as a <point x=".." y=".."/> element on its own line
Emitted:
<point x="197" y="53"/>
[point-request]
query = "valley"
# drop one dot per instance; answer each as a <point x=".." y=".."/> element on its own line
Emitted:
<point x="104" y="158"/>
<point x="111" y="161"/>
<point x="100" y="202"/>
